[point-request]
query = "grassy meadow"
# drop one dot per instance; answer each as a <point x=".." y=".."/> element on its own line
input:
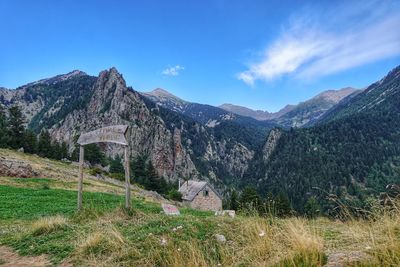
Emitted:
<point x="38" y="218"/>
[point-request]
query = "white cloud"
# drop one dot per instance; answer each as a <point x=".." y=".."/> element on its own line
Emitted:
<point x="306" y="49"/>
<point x="172" y="71"/>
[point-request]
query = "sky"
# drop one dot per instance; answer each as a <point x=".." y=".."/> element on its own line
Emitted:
<point x="255" y="53"/>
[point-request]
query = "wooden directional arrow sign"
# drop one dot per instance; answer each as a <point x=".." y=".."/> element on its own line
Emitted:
<point x="111" y="134"/>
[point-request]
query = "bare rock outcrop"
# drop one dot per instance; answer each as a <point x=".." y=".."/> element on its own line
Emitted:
<point x="14" y="168"/>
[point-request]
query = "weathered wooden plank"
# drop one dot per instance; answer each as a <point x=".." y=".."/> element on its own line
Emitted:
<point x="110" y="134"/>
<point x="127" y="179"/>
<point x="80" y="177"/>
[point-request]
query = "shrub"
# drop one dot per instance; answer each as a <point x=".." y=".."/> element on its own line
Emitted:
<point x="95" y="171"/>
<point x="174" y="194"/>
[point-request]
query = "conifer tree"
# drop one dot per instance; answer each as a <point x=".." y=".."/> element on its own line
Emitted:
<point x="3" y="128"/>
<point x="16" y="127"/>
<point x="312" y="208"/>
<point x="138" y="169"/>
<point x="116" y="165"/>
<point x="44" y="144"/>
<point x="30" y="142"/>
<point x="283" y="207"/>
<point x="250" y="199"/>
<point x="94" y="155"/>
<point x="234" y="201"/>
<point x="64" y="150"/>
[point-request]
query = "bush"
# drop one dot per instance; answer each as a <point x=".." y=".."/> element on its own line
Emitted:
<point x="95" y="171"/>
<point x="174" y="194"/>
<point x="117" y="176"/>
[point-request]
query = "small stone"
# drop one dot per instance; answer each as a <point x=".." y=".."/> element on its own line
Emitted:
<point x="220" y="238"/>
<point x="262" y="233"/>
<point x="163" y="242"/>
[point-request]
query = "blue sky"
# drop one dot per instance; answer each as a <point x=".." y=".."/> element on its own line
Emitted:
<point x="260" y="54"/>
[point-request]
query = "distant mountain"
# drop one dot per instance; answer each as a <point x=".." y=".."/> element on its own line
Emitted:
<point x="299" y="115"/>
<point x="208" y="115"/>
<point x="256" y="114"/>
<point x="166" y="99"/>
<point x="308" y="112"/>
<point x="382" y="96"/>
<point x="351" y="153"/>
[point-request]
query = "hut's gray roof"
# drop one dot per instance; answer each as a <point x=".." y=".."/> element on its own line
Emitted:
<point x="191" y="188"/>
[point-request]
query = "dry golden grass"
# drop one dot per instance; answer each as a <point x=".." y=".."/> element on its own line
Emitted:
<point x="101" y="241"/>
<point x="48" y="224"/>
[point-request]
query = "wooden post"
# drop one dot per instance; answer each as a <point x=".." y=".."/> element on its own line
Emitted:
<point x="127" y="180"/>
<point x="80" y="176"/>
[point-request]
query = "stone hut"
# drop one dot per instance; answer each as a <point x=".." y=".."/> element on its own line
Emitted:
<point x="200" y="195"/>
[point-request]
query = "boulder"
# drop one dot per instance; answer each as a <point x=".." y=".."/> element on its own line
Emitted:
<point x="13" y="168"/>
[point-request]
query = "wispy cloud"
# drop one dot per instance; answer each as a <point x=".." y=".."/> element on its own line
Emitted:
<point x="173" y="71"/>
<point x="350" y="36"/>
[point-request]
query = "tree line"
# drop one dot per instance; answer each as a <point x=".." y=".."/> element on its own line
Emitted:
<point x="15" y="135"/>
<point x="250" y="202"/>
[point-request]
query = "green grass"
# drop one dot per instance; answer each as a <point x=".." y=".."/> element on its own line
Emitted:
<point x="29" y="203"/>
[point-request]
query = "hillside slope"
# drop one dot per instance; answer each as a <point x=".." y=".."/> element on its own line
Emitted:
<point x="353" y="155"/>
<point x="180" y="145"/>
<point x="43" y="227"/>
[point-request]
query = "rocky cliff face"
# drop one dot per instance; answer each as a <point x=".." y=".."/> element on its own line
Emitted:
<point x="114" y="103"/>
<point x="179" y="146"/>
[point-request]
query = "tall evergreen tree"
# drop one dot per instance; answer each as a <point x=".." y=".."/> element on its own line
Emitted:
<point x="250" y="199"/>
<point x="44" y="144"/>
<point x="138" y="169"/>
<point x="56" y="152"/>
<point x="312" y="208"/>
<point x="3" y="128"/>
<point x="16" y="127"/>
<point x="234" y="201"/>
<point x="116" y="165"/>
<point x="30" y="142"/>
<point x="153" y="180"/>
<point x="283" y="207"/>
<point x="94" y="155"/>
<point x="64" y="150"/>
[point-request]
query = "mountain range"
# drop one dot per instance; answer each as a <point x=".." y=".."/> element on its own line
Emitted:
<point x="341" y="141"/>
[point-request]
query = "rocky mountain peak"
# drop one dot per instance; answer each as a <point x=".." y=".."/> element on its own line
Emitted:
<point x="111" y="74"/>
<point x="57" y="78"/>
<point x="335" y="95"/>
<point x="162" y="94"/>
<point x="110" y="85"/>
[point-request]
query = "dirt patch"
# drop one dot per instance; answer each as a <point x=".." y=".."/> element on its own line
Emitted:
<point x="9" y="258"/>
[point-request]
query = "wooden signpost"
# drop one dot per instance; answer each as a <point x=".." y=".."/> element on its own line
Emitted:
<point x="111" y="134"/>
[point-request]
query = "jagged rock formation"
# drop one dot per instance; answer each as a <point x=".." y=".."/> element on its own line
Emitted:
<point x="270" y="144"/>
<point x="179" y="146"/>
